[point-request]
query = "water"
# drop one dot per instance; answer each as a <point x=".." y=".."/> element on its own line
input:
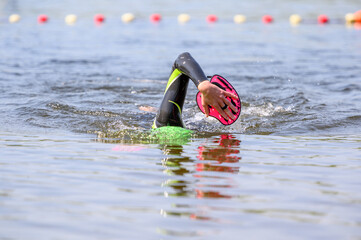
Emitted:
<point x="76" y="158"/>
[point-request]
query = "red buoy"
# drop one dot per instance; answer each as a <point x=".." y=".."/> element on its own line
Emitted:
<point x="357" y="16"/>
<point x="267" y="19"/>
<point x="155" y="17"/>
<point x="99" y="18"/>
<point x="42" y="18"/>
<point x="212" y="18"/>
<point x="322" y="19"/>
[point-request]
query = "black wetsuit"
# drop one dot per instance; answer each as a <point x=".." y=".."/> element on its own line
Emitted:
<point x="170" y="111"/>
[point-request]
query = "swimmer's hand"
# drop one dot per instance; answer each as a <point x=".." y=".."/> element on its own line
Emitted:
<point x="216" y="97"/>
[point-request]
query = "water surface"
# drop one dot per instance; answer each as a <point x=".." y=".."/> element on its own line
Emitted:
<point x="76" y="160"/>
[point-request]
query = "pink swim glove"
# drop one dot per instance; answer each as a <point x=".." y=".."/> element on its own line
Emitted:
<point x="222" y="83"/>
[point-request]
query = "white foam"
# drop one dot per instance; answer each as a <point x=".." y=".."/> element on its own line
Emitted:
<point x="265" y="110"/>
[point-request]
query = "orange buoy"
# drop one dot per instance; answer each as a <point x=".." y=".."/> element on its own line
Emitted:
<point x="357" y="16"/>
<point x="267" y="19"/>
<point x="212" y="18"/>
<point x="322" y="19"/>
<point x="42" y="18"/>
<point x="99" y="18"/>
<point x="155" y="17"/>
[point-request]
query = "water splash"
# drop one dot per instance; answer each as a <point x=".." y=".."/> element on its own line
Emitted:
<point x="265" y="110"/>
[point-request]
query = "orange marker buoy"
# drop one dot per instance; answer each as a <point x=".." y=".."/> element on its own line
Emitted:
<point x="322" y="19"/>
<point x="212" y="18"/>
<point x="267" y="19"/>
<point x="42" y="18"/>
<point x="155" y="17"/>
<point x="99" y="18"/>
<point x="357" y="16"/>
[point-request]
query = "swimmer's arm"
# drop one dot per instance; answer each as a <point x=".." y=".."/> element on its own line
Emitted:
<point x="190" y="67"/>
<point x="216" y="97"/>
<point x="211" y="94"/>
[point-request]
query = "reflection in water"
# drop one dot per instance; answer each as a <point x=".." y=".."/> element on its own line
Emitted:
<point x="221" y="154"/>
<point x="203" y="177"/>
<point x="218" y="158"/>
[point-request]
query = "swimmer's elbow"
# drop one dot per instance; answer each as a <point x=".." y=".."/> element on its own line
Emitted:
<point x="184" y="54"/>
<point x="183" y="57"/>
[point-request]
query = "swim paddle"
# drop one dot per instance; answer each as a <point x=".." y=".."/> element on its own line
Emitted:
<point x="222" y="83"/>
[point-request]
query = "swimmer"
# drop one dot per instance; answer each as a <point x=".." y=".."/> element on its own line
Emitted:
<point x="213" y="98"/>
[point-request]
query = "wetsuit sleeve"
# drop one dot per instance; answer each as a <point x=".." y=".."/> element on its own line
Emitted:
<point x="170" y="111"/>
<point x="188" y="66"/>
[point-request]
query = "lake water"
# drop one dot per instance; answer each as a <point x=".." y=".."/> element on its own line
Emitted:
<point x="76" y="160"/>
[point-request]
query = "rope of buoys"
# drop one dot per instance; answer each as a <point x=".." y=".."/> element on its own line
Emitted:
<point x="294" y="19"/>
